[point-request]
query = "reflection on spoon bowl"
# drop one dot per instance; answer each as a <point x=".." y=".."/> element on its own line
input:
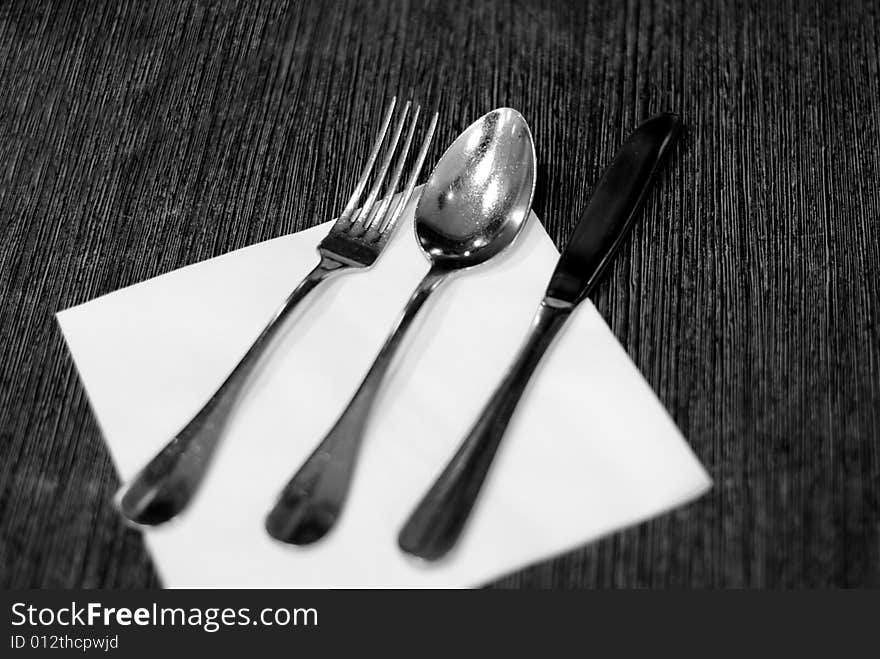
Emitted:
<point x="479" y="194"/>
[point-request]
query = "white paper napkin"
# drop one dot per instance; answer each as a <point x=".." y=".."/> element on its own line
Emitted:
<point x="590" y="450"/>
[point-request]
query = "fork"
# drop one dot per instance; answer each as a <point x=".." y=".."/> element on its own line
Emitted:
<point x="165" y="486"/>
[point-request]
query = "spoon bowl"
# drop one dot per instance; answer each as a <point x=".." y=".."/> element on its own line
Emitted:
<point x="479" y="194"/>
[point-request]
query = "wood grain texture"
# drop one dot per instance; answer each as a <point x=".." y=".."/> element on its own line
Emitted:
<point x="138" y="137"/>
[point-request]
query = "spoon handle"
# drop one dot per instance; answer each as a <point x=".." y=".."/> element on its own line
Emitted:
<point x="168" y="482"/>
<point x="310" y="503"/>
<point x="438" y="520"/>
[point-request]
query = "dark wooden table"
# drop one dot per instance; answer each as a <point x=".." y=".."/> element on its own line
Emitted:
<point x="137" y="137"/>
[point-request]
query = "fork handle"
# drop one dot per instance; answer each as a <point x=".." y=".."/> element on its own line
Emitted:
<point x="168" y="482"/>
<point x="435" y="525"/>
<point x="310" y="503"/>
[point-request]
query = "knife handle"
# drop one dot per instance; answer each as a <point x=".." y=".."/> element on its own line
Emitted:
<point x="436" y="523"/>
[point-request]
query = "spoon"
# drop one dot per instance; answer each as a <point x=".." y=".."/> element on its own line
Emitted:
<point x="472" y="207"/>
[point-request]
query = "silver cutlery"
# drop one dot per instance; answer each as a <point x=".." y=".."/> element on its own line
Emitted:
<point x="472" y="207"/>
<point x="168" y="482"/>
<point x="438" y="520"/>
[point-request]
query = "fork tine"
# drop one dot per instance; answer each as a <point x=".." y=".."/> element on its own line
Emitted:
<point x="391" y="188"/>
<point x="364" y="212"/>
<point x="371" y="160"/>
<point x="388" y="225"/>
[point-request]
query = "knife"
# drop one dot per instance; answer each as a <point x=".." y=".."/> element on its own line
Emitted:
<point x="435" y="525"/>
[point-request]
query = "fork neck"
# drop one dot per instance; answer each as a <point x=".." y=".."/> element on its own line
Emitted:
<point x="326" y="267"/>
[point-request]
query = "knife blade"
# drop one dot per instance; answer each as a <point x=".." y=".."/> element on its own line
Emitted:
<point x="435" y="525"/>
<point x="612" y="209"/>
